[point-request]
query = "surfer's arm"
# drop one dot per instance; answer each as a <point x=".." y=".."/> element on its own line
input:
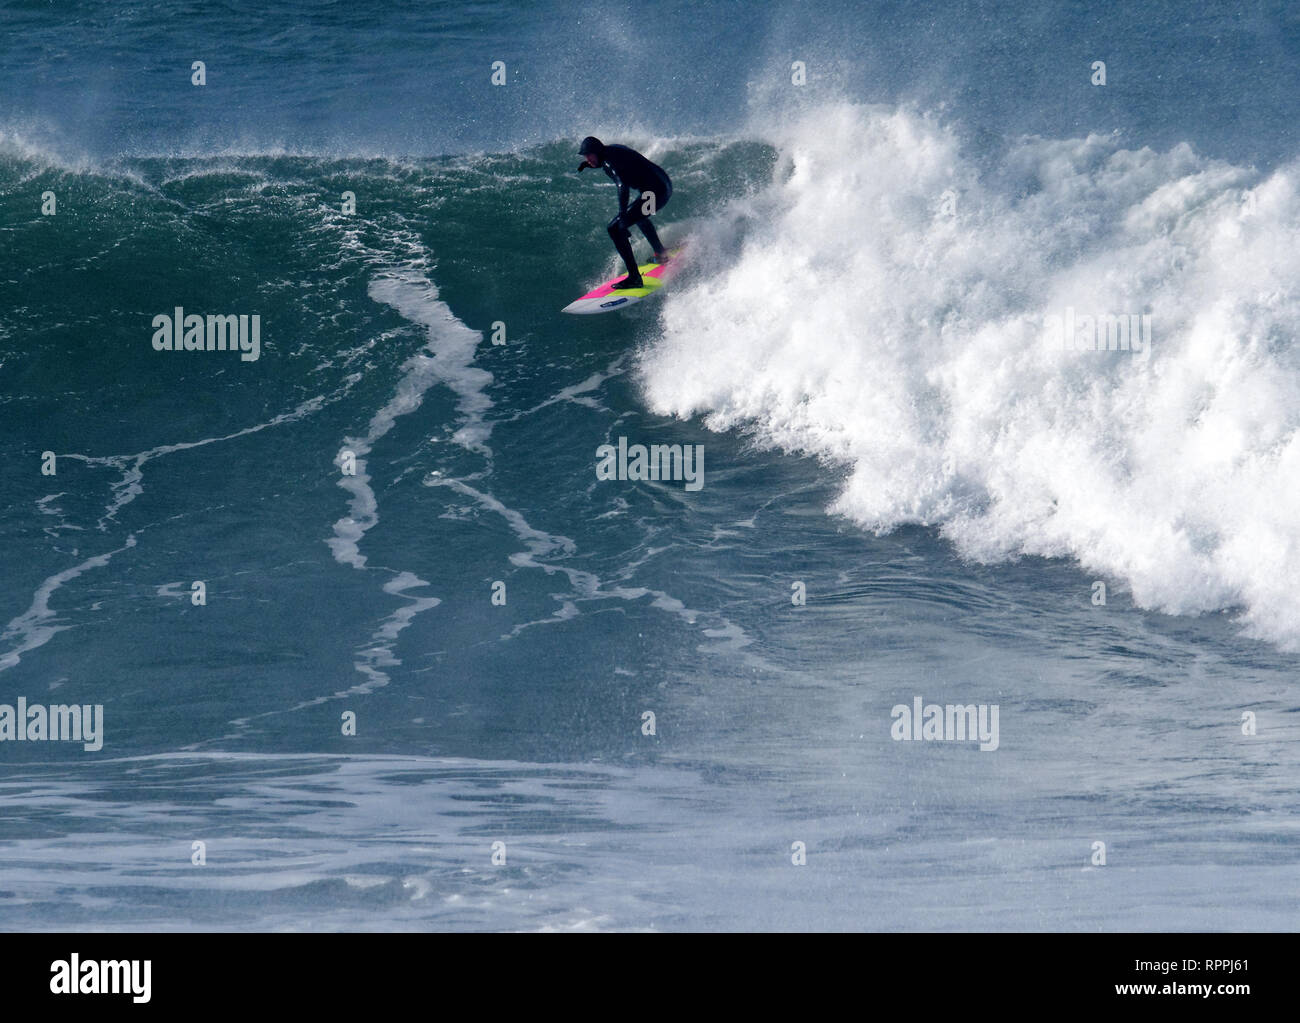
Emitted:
<point x="623" y="192"/>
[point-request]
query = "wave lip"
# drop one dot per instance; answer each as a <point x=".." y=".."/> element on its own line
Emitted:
<point x="888" y="312"/>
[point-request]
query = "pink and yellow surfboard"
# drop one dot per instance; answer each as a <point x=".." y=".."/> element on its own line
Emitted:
<point x="605" y="299"/>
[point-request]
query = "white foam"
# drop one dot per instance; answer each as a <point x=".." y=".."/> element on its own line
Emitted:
<point x="862" y="325"/>
<point x="547" y="552"/>
<point x="447" y="357"/>
<point x="450" y="354"/>
<point x="38" y="625"/>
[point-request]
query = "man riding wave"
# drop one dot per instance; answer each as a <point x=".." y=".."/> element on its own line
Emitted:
<point x="629" y="170"/>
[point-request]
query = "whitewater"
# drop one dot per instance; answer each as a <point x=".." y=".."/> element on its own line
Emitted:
<point x="853" y="320"/>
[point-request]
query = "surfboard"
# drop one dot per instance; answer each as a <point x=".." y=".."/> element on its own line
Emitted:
<point x="605" y="299"/>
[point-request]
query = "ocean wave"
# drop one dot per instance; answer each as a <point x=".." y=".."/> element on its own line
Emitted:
<point x="887" y="305"/>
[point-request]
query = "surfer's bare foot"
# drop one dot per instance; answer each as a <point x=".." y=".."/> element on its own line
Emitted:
<point x="661" y="257"/>
<point x="628" y="282"/>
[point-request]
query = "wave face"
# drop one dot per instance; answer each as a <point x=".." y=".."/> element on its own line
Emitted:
<point x="888" y="306"/>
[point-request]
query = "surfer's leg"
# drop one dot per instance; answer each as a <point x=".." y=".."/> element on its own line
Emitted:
<point x="661" y="200"/>
<point x="623" y="242"/>
<point x="652" y="237"/>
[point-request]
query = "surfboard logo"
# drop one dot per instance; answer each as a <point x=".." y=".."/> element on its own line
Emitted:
<point x="610" y="305"/>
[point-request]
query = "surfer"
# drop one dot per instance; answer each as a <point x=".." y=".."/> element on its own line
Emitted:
<point x="629" y="169"/>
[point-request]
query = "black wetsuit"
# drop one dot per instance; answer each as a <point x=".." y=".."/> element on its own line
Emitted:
<point x="629" y="169"/>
